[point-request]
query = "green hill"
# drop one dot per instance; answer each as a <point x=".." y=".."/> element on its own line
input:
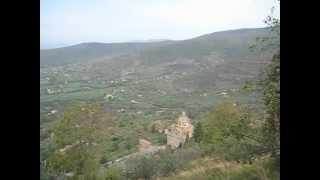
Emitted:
<point x="228" y="44"/>
<point x="183" y="74"/>
<point x="88" y="51"/>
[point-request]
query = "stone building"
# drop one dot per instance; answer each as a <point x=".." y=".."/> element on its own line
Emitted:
<point x="178" y="133"/>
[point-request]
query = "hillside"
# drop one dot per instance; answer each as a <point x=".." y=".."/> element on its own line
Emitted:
<point x="85" y="52"/>
<point x="189" y="74"/>
<point x="228" y="44"/>
<point x="140" y="83"/>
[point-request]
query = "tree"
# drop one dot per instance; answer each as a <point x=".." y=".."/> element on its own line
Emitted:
<point x="271" y="93"/>
<point x="231" y="132"/>
<point x="270" y="84"/>
<point x="198" y="132"/>
<point x="76" y="137"/>
<point x="142" y="167"/>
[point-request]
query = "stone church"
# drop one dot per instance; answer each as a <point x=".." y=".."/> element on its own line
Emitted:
<point x="178" y="133"/>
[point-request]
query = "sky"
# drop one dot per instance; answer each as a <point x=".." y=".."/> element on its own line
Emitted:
<point x="69" y="22"/>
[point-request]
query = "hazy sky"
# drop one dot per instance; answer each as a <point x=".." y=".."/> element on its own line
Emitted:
<point x="68" y="22"/>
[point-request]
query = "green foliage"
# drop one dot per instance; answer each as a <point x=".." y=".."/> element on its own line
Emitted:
<point x="198" y="132"/>
<point x="249" y="87"/>
<point x="141" y="167"/>
<point x="271" y="92"/>
<point x="163" y="164"/>
<point x="167" y="164"/>
<point x="79" y="161"/>
<point x="259" y="170"/>
<point x="170" y="162"/>
<point x="76" y="137"/>
<point x="231" y="132"/>
<point x="113" y="173"/>
<point x="218" y="123"/>
<point x="76" y="124"/>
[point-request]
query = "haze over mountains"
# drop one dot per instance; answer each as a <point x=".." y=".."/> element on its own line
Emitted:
<point x="226" y="43"/>
<point x="184" y="74"/>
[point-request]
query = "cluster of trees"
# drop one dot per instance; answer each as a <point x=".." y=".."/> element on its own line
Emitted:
<point x="165" y="163"/>
<point x="77" y="143"/>
<point x="231" y="132"/>
<point x="235" y="132"/>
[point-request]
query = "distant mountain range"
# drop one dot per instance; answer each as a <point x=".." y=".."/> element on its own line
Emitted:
<point x="233" y="43"/>
<point x="151" y="40"/>
<point x="220" y="60"/>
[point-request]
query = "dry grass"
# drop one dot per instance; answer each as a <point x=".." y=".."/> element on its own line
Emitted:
<point x="214" y="169"/>
<point x="202" y="166"/>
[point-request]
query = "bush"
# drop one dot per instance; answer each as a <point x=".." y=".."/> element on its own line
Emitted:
<point x="78" y="161"/>
<point x="163" y="164"/>
<point x="170" y="162"/>
<point x="231" y="133"/>
<point x="141" y="167"/>
<point x="113" y="174"/>
<point x="167" y="163"/>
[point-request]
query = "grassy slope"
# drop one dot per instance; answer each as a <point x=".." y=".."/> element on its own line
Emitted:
<point x="208" y="168"/>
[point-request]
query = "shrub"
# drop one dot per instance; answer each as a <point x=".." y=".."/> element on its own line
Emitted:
<point x="167" y="163"/>
<point x="113" y="174"/>
<point x="141" y="167"/>
<point x="230" y="133"/>
<point x="170" y="162"/>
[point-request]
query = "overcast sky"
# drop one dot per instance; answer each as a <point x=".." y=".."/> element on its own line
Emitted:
<point x="68" y="22"/>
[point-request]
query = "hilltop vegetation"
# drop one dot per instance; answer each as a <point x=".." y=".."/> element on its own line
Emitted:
<point x="89" y="51"/>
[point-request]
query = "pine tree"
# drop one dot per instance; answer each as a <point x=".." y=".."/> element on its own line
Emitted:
<point x="198" y="132"/>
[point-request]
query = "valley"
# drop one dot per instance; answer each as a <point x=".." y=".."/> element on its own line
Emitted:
<point x="177" y="81"/>
<point x="138" y="84"/>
